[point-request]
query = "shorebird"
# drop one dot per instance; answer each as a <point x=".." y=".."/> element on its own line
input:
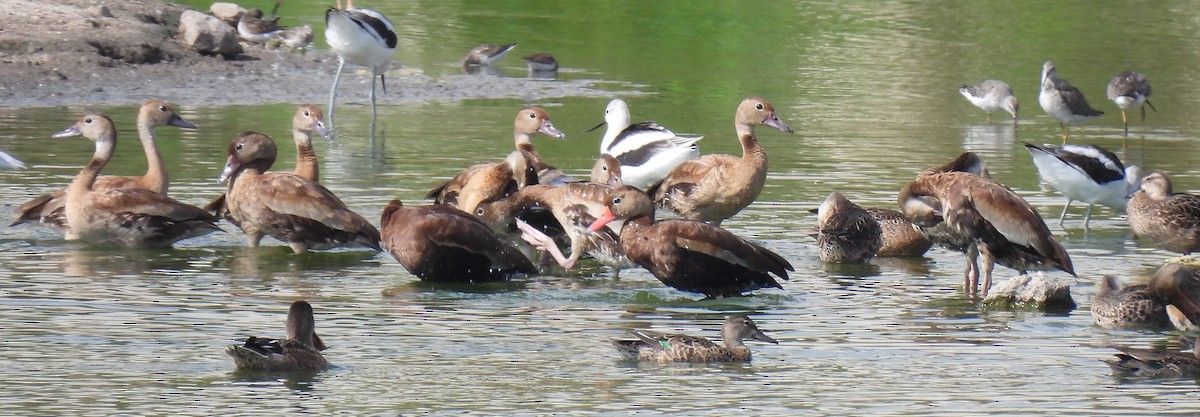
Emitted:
<point x="646" y="151"/>
<point x="1085" y="173"/>
<point x="362" y="37"/>
<point x="1063" y="101"/>
<point x="1130" y="89"/>
<point x="486" y="54"/>
<point x="991" y="96"/>
<point x="541" y="61"/>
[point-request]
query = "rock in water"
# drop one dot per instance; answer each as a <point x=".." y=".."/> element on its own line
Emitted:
<point x="208" y="35"/>
<point x="1034" y="290"/>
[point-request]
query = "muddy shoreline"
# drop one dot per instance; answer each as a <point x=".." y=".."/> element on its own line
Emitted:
<point x="73" y="52"/>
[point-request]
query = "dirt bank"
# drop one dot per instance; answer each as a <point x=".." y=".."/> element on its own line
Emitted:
<point x="71" y="52"/>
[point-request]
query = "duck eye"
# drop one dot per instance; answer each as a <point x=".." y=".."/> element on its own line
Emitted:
<point x="616" y="200"/>
<point x="87" y="120"/>
<point x="239" y="147"/>
<point x="758" y="106"/>
<point x="479" y="211"/>
<point x="162" y="108"/>
<point x="306" y="114"/>
<point x="532" y="115"/>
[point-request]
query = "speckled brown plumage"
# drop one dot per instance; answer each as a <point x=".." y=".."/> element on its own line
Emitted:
<point x="1166" y="219"/>
<point x="664" y="347"/>
<point x="900" y="236"/>
<point x="713" y="188"/>
<point x="1120" y="306"/>
<point x="845" y="232"/>
<point x="1156" y="362"/>
<point x="689" y="255"/>
<point x="443" y="244"/>
<point x="299" y="351"/>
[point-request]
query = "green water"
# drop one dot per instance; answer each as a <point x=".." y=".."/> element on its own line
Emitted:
<point x="871" y="89"/>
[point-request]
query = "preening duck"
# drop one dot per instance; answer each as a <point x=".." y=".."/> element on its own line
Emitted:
<point x="689" y="255"/>
<point x="129" y="217"/>
<point x="846" y="233"/>
<point x="713" y="188"/>
<point x="300" y="350"/>
<point x="441" y="243"/>
<point x="286" y="206"/>
<point x="647" y="151"/>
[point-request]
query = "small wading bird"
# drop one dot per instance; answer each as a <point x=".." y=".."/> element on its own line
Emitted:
<point x="991" y="96"/>
<point x="1062" y="101"/>
<point x="1130" y="90"/>
<point x="361" y="37"/>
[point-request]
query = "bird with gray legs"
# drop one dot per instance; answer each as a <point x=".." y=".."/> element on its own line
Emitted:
<point x="1130" y="90"/>
<point x="662" y="347"/>
<point x="300" y="350"/>
<point x="1086" y="173"/>
<point x="359" y="36"/>
<point x="1062" y="101"/>
<point x="991" y="96"/>
<point x="1167" y="219"/>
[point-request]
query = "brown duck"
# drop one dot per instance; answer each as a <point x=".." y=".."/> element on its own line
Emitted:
<point x="300" y="350"/>
<point x="1166" y="219"/>
<point x="846" y="233"/>
<point x="663" y="347"/>
<point x="443" y="244"/>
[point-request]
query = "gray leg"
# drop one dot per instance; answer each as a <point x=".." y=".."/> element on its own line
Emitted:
<point x="333" y="91"/>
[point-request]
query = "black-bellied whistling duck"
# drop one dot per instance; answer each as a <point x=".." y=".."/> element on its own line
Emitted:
<point x="130" y="217"/>
<point x="49" y="209"/>
<point x="689" y="255"/>
<point x="284" y="205"/>
<point x="846" y="233"/>
<point x="529" y="121"/>
<point x="713" y="188"/>
<point x="1167" y="219"/>
<point x="300" y="350"/>
<point x="443" y="244"/>
<point x="307" y="120"/>
<point x="989" y="219"/>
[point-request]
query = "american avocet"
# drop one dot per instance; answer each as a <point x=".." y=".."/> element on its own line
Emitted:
<point x="713" y="188"/>
<point x="49" y="209"/>
<point x="286" y="206"/>
<point x="362" y="37"/>
<point x="991" y="96"/>
<point x="299" y="351"/>
<point x="1167" y="219"/>
<point x="647" y="151"/>
<point x="989" y="219"/>
<point x="486" y="54"/>
<point x="1130" y="89"/>
<point x="1085" y="173"/>
<point x="846" y="233"/>
<point x="1062" y="101"/>
<point x="130" y="217"/>
<point x="663" y="347"/>
<point x="689" y="255"/>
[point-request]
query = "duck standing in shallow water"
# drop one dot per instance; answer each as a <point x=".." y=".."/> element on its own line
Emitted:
<point x="991" y="96"/>
<point x="284" y="205"/>
<point x="647" y="151"/>
<point x="1085" y="173"/>
<point x="1167" y="219"/>
<point x="663" y="347"/>
<point x="713" y="188"/>
<point x="441" y="243"/>
<point x="1062" y="101"/>
<point x="300" y="350"/>
<point x="130" y="217"/>
<point x="50" y="209"/>
<point x="845" y="232"/>
<point x="689" y="255"/>
<point x="989" y="219"/>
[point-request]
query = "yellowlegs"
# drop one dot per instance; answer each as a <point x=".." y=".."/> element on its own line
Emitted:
<point x="1063" y="101"/>
<point x="1130" y="89"/>
<point x="991" y="96"/>
<point x="486" y="54"/>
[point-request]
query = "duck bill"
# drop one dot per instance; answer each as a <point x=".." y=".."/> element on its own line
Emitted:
<point x="319" y="128"/>
<point x="606" y="217"/>
<point x="179" y="122"/>
<point x="231" y="166"/>
<point x="773" y="121"/>
<point x="69" y="132"/>
<point x="763" y="337"/>
<point x="548" y="129"/>
<point x="597" y="126"/>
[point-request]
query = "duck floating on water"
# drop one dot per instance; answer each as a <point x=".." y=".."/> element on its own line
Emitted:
<point x="300" y="350"/>
<point x="664" y="347"/>
<point x="846" y="233"/>
<point x="1166" y="219"/>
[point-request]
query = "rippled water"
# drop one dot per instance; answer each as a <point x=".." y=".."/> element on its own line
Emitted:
<point x="871" y="91"/>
